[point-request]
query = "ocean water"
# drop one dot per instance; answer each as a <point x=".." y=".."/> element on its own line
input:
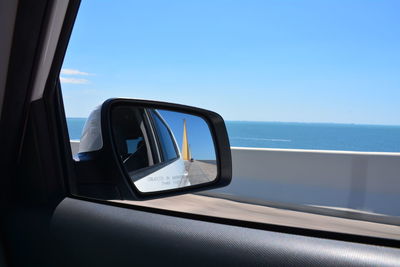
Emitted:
<point x="323" y="136"/>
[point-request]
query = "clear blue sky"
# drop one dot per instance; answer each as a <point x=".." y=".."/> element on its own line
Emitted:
<point x="300" y="61"/>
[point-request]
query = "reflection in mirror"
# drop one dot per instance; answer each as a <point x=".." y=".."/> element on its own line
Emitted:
<point x="163" y="150"/>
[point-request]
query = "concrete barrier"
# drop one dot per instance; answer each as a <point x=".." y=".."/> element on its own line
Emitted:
<point x="367" y="181"/>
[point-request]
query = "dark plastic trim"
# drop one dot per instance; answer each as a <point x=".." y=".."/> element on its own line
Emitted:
<point x="371" y="240"/>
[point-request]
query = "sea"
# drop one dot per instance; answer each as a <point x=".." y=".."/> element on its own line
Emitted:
<point x="293" y="135"/>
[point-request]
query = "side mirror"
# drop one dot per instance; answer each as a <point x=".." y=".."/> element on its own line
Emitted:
<point x="135" y="149"/>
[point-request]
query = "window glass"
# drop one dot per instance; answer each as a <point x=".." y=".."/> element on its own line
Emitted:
<point x="166" y="141"/>
<point x="309" y="91"/>
<point x="128" y="137"/>
<point x="133" y="144"/>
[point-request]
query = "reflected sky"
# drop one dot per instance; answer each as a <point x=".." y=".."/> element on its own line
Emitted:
<point x="199" y="136"/>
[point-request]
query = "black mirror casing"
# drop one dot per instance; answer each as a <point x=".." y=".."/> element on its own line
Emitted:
<point x="101" y="175"/>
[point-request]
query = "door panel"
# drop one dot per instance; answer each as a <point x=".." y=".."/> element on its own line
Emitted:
<point x="97" y="234"/>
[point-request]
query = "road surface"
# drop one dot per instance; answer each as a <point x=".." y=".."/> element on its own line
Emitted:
<point x="201" y="171"/>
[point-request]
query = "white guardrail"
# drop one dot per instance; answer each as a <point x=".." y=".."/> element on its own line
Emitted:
<point x="367" y="181"/>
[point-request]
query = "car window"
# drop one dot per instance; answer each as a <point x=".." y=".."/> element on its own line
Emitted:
<point x="129" y="138"/>
<point x="166" y="142"/>
<point x="309" y="91"/>
<point x="133" y="144"/>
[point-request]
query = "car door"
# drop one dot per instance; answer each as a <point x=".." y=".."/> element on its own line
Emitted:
<point x="43" y="224"/>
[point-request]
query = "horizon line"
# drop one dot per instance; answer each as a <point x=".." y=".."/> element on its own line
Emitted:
<point x="318" y="122"/>
<point x="299" y="122"/>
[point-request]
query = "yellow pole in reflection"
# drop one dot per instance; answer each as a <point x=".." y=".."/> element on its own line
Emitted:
<point x="185" y="143"/>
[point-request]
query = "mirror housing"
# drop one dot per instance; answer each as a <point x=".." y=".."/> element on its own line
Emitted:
<point x="102" y="172"/>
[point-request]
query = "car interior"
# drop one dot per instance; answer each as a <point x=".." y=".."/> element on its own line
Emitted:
<point x="47" y="219"/>
<point x="129" y="129"/>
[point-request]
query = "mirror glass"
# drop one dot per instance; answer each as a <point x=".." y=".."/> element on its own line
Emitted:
<point x="162" y="149"/>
